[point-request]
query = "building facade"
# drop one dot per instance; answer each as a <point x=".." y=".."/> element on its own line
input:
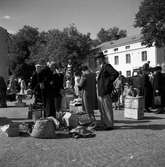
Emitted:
<point x="127" y="54"/>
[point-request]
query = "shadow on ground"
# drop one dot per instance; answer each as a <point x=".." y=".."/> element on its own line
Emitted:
<point x="149" y="127"/>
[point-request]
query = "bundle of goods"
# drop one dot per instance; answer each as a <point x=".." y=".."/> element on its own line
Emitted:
<point x="82" y="132"/>
<point x="36" y="111"/>
<point x="45" y="128"/>
<point x="134" y="107"/>
<point x="73" y="120"/>
<point x="75" y="106"/>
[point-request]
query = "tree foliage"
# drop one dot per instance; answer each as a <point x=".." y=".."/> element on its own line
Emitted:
<point x="151" y="19"/>
<point x="29" y="46"/>
<point x="111" y="34"/>
<point x="20" y="48"/>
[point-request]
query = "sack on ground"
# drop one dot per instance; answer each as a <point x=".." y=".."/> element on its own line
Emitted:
<point x="44" y="129"/>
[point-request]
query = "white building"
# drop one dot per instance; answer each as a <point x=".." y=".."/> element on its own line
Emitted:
<point x="128" y="53"/>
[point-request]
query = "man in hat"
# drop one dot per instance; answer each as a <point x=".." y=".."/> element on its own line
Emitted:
<point x="35" y="84"/>
<point x="107" y="75"/>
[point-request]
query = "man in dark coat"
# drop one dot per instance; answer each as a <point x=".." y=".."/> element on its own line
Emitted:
<point x="159" y="87"/>
<point x="57" y="86"/>
<point x="148" y="92"/>
<point x="105" y="79"/>
<point x="45" y="79"/>
<point x="3" y="89"/>
<point x="35" y="85"/>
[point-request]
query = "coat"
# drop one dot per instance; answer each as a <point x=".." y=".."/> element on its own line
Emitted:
<point x="88" y="86"/>
<point x="105" y="80"/>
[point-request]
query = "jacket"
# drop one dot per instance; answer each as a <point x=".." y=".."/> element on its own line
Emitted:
<point x="105" y="80"/>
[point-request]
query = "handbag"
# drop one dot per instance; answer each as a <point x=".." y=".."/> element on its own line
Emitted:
<point x="157" y="100"/>
<point x="114" y="95"/>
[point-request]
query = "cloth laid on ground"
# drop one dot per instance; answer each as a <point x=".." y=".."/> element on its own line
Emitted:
<point x="45" y="128"/>
<point x="82" y="132"/>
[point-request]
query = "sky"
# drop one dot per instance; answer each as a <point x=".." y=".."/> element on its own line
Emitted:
<point x="87" y="15"/>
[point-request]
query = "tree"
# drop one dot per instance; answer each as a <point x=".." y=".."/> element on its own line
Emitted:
<point x="151" y="19"/>
<point x="61" y="45"/>
<point x="111" y="34"/>
<point x="20" y="48"/>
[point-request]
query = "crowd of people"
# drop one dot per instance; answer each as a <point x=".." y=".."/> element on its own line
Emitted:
<point x="48" y="84"/>
<point x="149" y="83"/>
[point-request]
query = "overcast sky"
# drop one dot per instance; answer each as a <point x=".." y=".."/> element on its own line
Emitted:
<point x="88" y="15"/>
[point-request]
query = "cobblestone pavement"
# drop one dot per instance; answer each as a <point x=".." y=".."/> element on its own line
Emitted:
<point x="131" y="144"/>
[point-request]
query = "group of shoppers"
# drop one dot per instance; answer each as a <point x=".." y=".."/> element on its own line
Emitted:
<point x="94" y="89"/>
<point x="47" y="85"/>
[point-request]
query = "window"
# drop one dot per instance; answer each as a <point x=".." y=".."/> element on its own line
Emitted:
<point x="116" y="49"/>
<point x="116" y="60"/>
<point x="144" y="56"/>
<point x="128" y="73"/>
<point x="127" y="47"/>
<point x="128" y="58"/>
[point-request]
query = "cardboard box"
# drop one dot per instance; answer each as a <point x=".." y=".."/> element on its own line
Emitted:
<point x="134" y="107"/>
<point x="133" y="113"/>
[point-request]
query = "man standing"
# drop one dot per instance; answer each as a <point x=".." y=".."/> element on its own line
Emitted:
<point x="3" y="89"/>
<point x="107" y="75"/>
<point x="35" y="85"/>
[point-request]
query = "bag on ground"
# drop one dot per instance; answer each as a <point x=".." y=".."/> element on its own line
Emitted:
<point x="44" y="129"/>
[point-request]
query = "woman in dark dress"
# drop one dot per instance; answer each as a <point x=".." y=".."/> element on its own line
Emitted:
<point x="88" y="86"/>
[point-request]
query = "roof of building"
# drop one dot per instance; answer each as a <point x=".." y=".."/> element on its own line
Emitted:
<point x="120" y="42"/>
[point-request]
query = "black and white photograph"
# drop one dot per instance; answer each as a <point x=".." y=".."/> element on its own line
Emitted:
<point x="82" y="83"/>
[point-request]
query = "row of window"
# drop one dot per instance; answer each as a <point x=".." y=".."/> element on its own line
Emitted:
<point x="126" y="47"/>
<point x="128" y="58"/>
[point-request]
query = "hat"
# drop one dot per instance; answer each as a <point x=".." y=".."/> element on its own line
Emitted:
<point x="52" y="63"/>
<point x="37" y="65"/>
<point x="100" y="55"/>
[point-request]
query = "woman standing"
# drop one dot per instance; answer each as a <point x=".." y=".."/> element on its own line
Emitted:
<point x="88" y="86"/>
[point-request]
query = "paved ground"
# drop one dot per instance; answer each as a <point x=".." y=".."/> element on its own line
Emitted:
<point x="131" y="144"/>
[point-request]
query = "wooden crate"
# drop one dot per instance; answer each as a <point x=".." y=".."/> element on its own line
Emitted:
<point x="134" y="108"/>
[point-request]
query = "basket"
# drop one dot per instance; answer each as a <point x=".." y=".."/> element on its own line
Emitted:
<point x="44" y="129"/>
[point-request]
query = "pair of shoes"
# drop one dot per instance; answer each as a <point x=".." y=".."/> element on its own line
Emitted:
<point x="159" y="111"/>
